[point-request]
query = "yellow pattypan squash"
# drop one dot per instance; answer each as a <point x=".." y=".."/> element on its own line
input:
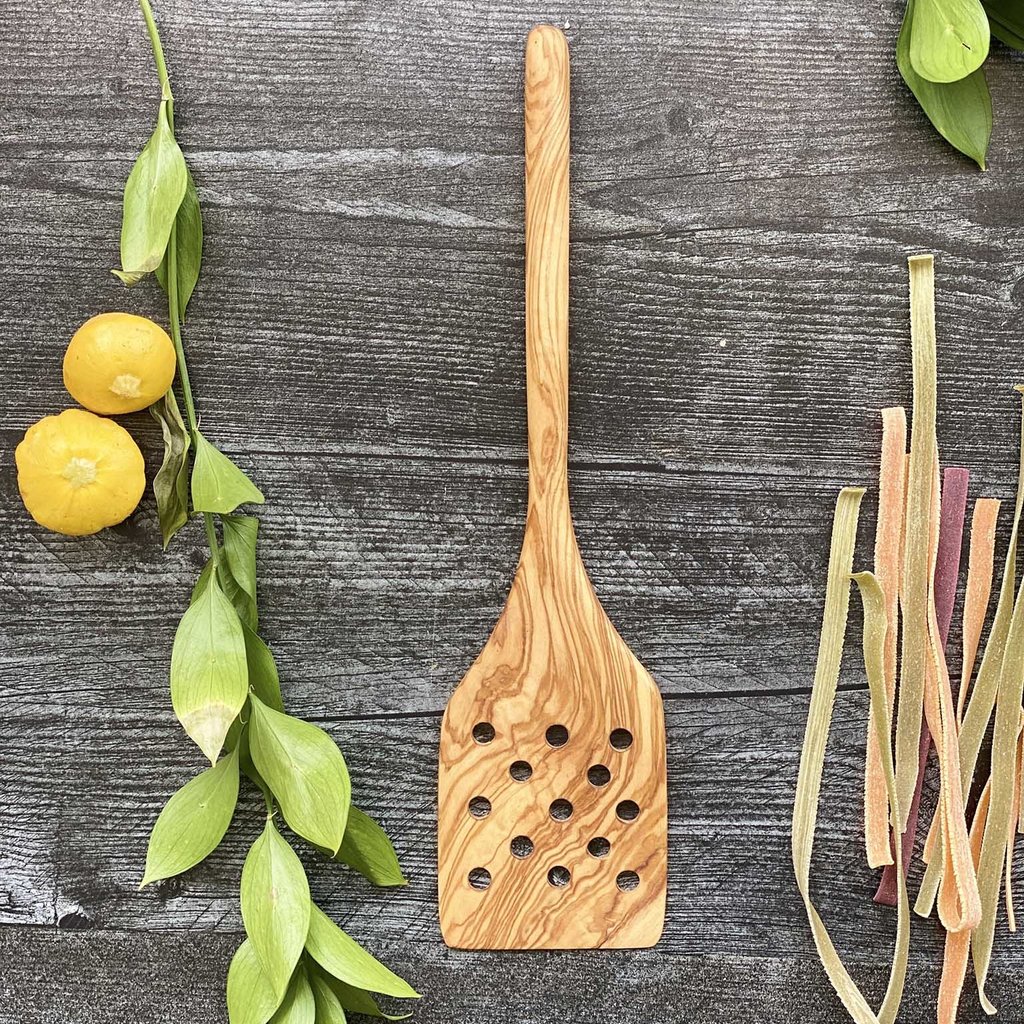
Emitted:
<point x="118" y="363"/>
<point x="78" y="473"/>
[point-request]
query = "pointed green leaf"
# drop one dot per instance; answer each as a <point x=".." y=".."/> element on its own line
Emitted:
<point x="170" y="485"/>
<point x="218" y="485"/>
<point x="305" y="771"/>
<point x="243" y="604"/>
<point x="355" y="1000"/>
<point x="275" y="905"/>
<point x="960" y="111"/>
<point x="193" y="821"/>
<point x="188" y="244"/>
<point x="328" y="1007"/>
<point x="263" y="676"/>
<point x="240" y="548"/>
<point x="262" y="670"/>
<point x="251" y="997"/>
<point x="367" y="849"/>
<point x="299" y="1006"/>
<point x="238" y="739"/>
<point x="152" y="195"/>
<point x="949" y="39"/>
<point x="340" y="955"/>
<point x="202" y="582"/>
<point x="209" y="677"/>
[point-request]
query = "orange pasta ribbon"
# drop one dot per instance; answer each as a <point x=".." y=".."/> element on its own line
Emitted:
<point x="958" y="944"/>
<point x="980" y="565"/>
<point x="888" y="571"/>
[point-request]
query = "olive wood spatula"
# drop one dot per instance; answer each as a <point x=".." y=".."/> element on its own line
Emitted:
<point x="552" y="830"/>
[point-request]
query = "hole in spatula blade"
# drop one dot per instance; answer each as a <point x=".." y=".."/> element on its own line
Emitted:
<point x="520" y="770"/>
<point x="483" y="732"/>
<point x="599" y="847"/>
<point x="480" y="878"/>
<point x="627" y="881"/>
<point x="621" y="739"/>
<point x="559" y="876"/>
<point x="479" y="807"/>
<point x="598" y="775"/>
<point x="560" y="810"/>
<point x="521" y="847"/>
<point x="627" y="810"/>
<point x="557" y="736"/>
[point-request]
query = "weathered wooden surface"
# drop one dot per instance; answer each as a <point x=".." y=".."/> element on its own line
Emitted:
<point x="747" y="180"/>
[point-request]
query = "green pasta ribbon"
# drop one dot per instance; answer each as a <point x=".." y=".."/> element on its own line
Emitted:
<point x="812" y="759"/>
<point x="983" y="695"/>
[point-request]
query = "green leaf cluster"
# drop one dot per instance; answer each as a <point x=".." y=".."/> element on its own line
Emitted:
<point x="330" y="973"/>
<point x="162" y="234"/>
<point x="295" y="966"/>
<point x="940" y="52"/>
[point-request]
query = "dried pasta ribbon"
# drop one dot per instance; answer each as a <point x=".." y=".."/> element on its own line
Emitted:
<point x="953" y="508"/>
<point x="983" y="698"/>
<point x="958" y="944"/>
<point x="888" y="565"/>
<point x="980" y="564"/>
<point x="920" y="522"/>
<point x="958" y="901"/>
<point x="812" y="757"/>
<point x="1020" y="776"/>
<point x="1011" y="917"/>
<point x="876" y="629"/>
<point x="1004" y="770"/>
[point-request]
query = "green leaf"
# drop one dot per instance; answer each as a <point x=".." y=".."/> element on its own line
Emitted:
<point x="193" y="821"/>
<point x="1006" y="19"/>
<point x="188" y="245"/>
<point x="218" y="485"/>
<point x="243" y="604"/>
<point x="152" y="195"/>
<point x="275" y="905"/>
<point x="340" y="955"/>
<point x="238" y="739"/>
<point x="949" y="39"/>
<point x="262" y="670"/>
<point x="251" y="997"/>
<point x="355" y="1000"/>
<point x="170" y="485"/>
<point x="202" y="582"/>
<point x="263" y="677"/>
<point x="367" y="849"/>
<point x="960" y="111"/>
<point x="240" y="548"/>
<point x="209" y="677"/>
<point x="129" y="280"/>
<point x="305" y="771"/>
<point x="328" y="1006"/>
<point x="299" y="1006"/>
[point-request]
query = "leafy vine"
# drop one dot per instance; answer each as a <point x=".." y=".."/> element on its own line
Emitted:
<point x="296" y="966"/>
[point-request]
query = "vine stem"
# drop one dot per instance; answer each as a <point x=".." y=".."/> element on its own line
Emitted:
<point x="172" y="273"/>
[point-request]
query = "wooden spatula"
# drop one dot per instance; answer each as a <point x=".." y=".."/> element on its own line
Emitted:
<point x="552" y="795"/>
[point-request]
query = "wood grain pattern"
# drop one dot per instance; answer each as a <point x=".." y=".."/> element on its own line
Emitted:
<point x="552" y="804"/>
<point x="747" y="180"/>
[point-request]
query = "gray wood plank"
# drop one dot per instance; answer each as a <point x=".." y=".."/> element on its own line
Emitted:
<point x="76" y="978"/>
<point x="747" y="179"/>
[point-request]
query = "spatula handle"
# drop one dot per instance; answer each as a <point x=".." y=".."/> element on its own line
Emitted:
<point x="547" y="278"/>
